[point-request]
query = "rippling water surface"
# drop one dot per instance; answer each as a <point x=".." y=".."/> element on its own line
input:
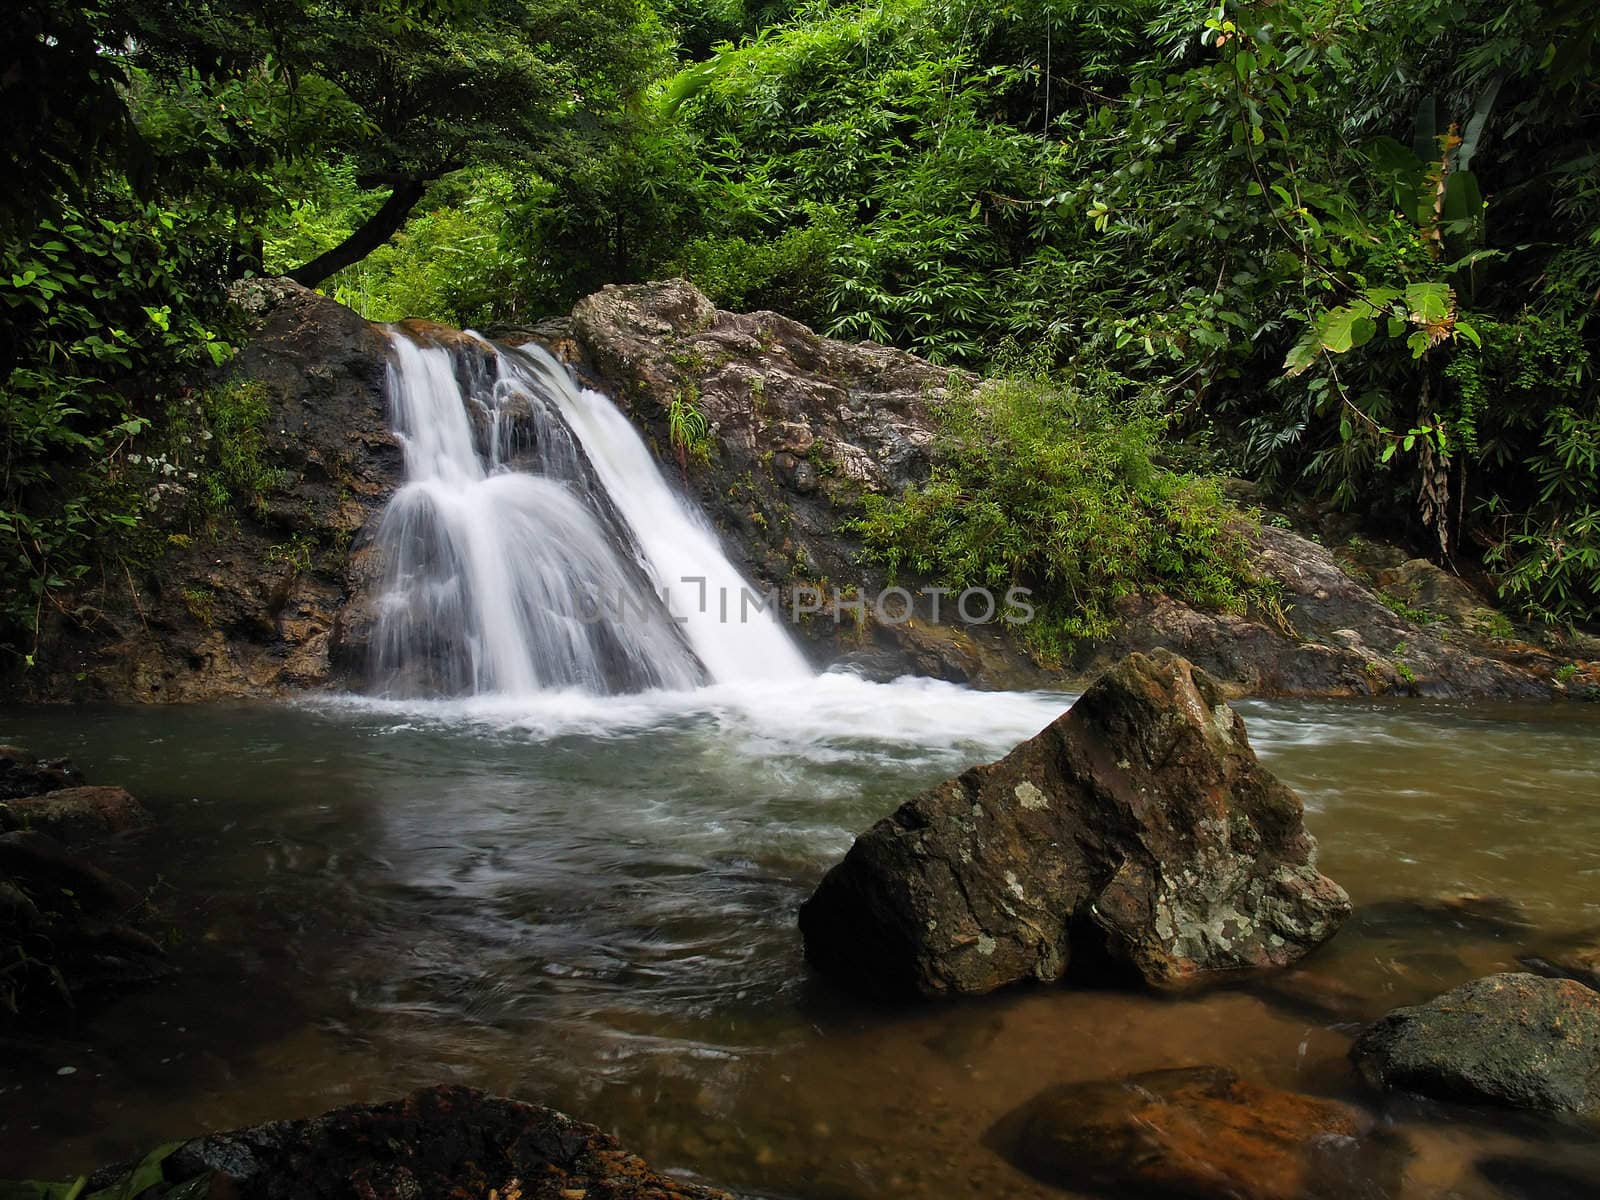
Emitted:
<point x="591" y="903"/>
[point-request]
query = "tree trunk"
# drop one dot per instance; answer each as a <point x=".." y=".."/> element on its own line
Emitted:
<point x="374" y="232"/>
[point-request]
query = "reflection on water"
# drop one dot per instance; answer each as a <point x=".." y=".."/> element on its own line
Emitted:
<point x="591" y="903"/>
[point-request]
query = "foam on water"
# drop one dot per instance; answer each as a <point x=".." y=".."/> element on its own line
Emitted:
<point x="535" y="547"/>
<point x="835" y="716"/>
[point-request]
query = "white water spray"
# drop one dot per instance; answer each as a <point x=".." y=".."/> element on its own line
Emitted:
<point x="718" y="610"/>
<point x="535" y="546"/>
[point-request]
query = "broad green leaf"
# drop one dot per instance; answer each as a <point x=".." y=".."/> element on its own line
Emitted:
<point x="1476" y="122"/>
<point x="1429" y="303"/>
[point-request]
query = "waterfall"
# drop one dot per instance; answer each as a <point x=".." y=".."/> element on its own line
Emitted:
<point x="535" y="544"/>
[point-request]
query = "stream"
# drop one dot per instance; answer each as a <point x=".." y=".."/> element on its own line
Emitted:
<point x="590" y="902"/>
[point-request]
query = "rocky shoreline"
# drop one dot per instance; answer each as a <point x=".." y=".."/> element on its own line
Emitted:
<point x="278" y="600"/>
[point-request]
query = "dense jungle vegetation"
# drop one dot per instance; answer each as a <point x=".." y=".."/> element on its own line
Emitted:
<point x="1348" y="249"/>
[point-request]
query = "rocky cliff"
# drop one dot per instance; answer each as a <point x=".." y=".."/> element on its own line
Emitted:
<point x="279" y="599"/>
<point x="803" y="425"/>
<point x="255" y="602"/>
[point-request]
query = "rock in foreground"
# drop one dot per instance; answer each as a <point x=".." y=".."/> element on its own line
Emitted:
<point x="1513" y="1040"/>
<point x="437" y="1142"/>
<point x="1137" y="831"/>
<point x="1196" y="1132"/>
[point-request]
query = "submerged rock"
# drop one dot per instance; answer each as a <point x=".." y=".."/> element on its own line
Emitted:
<point x="1198" y="1132"/>
<point x="1529" y="1179"/>
<point x="66" y="926"/>
<point x="437" y="1142"/>
<point x="1137" y="832"/>
<point x="1572" y="957"/>
<point x="1514" y="1040"/>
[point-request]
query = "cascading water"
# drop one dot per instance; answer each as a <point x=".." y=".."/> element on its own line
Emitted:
<point x="536" y="546"/>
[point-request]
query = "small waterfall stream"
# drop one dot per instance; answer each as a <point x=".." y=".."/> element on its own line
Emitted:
<point x="536" y="546"/>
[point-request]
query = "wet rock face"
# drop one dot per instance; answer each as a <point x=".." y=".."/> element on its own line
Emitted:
<point x="436" y="1142"/>
<point x="803" y="426"/>
<point x="263" y="601"/>
<point x="1136" y="834"/>
<point x="1198" y="1133"/>
<point x="1512" y="1040"/>
<point x="1335" y="636"/>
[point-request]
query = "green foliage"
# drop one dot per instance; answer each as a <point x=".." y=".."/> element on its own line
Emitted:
<point x="161" y="146"/>
<point x="103" y="311"/>
<point x="791" y="273"/>
<point x="146" y="1175"/>
<point x="296" y="554"/>
<point x="450" y="263"/>
<point x="688" y="430"/>
<point x="1050" y="486"/>
<point x="872" y="126"/>
<point x="1191" y="195"/>
<point x="1360" y="240"/>
<point x="206" y="454"/>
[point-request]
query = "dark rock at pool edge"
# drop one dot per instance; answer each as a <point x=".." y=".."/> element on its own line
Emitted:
<point x="76" y="815"/>
<point x="1136" y="834"/>
<point x="1514" y="1040"/>
<point x="436" y="1142"/>
<point x="50" y="796"/>
<point x="23" y="775"/>
<point x="1199" y="1133"/>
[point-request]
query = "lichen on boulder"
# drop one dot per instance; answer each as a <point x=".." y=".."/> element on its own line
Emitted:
<point x="1136" y="834"/>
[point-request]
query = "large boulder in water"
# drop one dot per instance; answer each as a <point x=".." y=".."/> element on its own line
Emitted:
<point x="1136" y="832"/>
<point x="1512" y="1040"/>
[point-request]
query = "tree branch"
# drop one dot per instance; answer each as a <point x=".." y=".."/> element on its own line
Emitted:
<point x="374" y="232"/>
